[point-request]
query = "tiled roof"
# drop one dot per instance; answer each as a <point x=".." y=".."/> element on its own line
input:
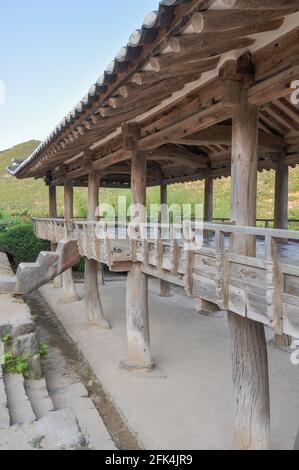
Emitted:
<point x="137" y="40"/>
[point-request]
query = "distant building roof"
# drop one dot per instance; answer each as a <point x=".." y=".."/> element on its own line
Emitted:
<point x="15" y="163"/>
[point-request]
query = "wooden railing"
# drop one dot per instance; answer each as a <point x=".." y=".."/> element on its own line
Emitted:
<point x="268" y="223"/>
<point x="53" y="230"/>
<point x="264" y="287"/>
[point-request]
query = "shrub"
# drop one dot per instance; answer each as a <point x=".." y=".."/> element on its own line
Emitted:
<point x="21" y="244"/>
<point x="80" y="267"/>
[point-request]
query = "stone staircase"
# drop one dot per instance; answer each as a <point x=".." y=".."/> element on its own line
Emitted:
<point x="31" y="419"/>
<point x="31" y="276"/>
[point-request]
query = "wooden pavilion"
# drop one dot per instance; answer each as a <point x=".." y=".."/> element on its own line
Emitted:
<point x="203" y="90"/>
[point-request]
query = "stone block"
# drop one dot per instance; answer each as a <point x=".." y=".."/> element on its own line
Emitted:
<point x="25" y="345"/>
<point x="22" y="324"/>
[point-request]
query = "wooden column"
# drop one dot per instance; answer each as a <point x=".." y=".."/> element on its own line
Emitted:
<point x="248" y="342"/>
<point x="281" y="210"/>
<point x="70" y="294"/>
<point x="164" y="285"/>
<point x="93" y="302"/>
<point x="281" y="221"/>
<point x="138" y="332"/>
<point x="208" y="205"/>
<point x="52" y="202"/>
<point x="208" y="200"/>
<point x="57" y="282"/>
<point x="203" y="306"/>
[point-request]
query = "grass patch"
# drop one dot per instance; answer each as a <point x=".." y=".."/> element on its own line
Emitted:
<point x="20" y="363"/>
<point x="22" y="199"/>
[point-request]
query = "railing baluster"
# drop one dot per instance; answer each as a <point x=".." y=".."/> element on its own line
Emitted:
<point x="188" y="257"/>
<point x="222" y="276"/>
<point x="274" y="280"/>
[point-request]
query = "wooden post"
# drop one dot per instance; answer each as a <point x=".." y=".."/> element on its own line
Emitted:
<point x="281" y="221"/>
<point x="57" y="281"/>
<point x="202" y="306"/>
<point x="208" y="205"/>
<point x="281" y="210"/>
<point x="208" y="200"/>
<point x="101" y="275"/>
<point x="164" y="285"/>
<point x="138" y="332"/>
<point x="93" y="302"/>
<point x="248" y="342"/>
<point x="70" y="293"/>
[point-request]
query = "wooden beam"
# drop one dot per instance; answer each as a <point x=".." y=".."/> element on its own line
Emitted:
<point x="181" y="155"/>
<point x="196" y="57"/>
<point x="277" y="56"/>
<point x="222" y="135"/>
<point x="118" y="156"/>
<point x="261" y="4"/>
<point x="200" y="120"/>
<point x="225" y="20"/>
<point x="197" y="39"/>
<point x="273" y="88"/>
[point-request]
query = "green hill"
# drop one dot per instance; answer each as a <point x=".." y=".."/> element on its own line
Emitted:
<point x="31" y="196"/>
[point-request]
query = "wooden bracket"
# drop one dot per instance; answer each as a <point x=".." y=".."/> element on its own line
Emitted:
<point x="131" y="135"/>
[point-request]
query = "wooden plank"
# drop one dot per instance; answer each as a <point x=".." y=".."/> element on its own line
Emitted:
<point x="291" y="285"/>
<point x="204" y="288"/>
<point x="247" y="261"/>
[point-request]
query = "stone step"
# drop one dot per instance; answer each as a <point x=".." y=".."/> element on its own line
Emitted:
<point x="7" y="277"/>
<point x="91" y="424"/>
<point x="39" y="398"/>
<point x="57" y="431"/>
<point x="19" y="405"/>
<point x="4" y="414"/>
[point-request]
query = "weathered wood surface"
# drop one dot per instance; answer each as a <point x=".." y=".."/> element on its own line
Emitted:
<point x="69" y="288"/>
<point x="57" y="281"/>
<point x="164" y="285"/>
<point x="93" y="303"/>
<point x="137" y="313"/>
<point x="247" y="337"/>
<point x="220" y="276"/>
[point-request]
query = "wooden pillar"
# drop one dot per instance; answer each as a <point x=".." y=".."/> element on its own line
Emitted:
<point x="93" y="302"/>
<point x="248" y="342"/>
<point x="281" y="210"/>
<point x="208" y="200"/>
<point x="57" y="282"/>
<point x="281" y="221"/>
<point x="70" y="294"/>
<point x="208" y="205"/>
<point x="138" y="332"/>
<point x="164" y="285"/>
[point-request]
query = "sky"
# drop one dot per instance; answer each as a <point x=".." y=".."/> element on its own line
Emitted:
<point x="51" y="52"/>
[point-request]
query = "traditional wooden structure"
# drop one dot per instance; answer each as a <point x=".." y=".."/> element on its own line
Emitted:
<point x="205" y="89"/>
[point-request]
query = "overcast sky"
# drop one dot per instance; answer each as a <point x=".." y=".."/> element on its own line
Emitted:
<point x="51" y="52"/>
